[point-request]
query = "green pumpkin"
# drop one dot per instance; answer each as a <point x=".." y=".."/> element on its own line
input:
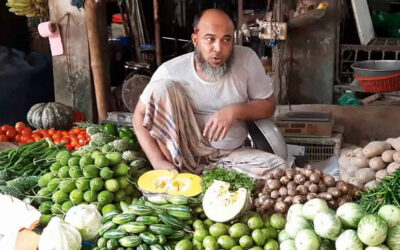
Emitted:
<point x="50" y="115"/>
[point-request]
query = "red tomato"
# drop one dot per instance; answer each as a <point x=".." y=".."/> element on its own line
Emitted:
<point x="19" y="126"/>
<point x="82" y="142"/>
<point x="26" y="132"/>
<point x="37" y="137"/>
<point x="66" y="139"/>
<point x="4" y="128"/>
<point x="30" y="139"/>
<point x="18" y="137"/>
<point x="11" y="133"/>
<point x="69" y="147"/>
<point x="57" y="136"/>
<point x="3" y="138"/>
<point x="51" y="131"/>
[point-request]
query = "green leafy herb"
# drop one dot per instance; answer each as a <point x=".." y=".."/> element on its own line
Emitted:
<point x="387" y="192"/>
<point x="235" y="179"/>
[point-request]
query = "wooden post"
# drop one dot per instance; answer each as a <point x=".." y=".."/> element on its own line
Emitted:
<point x="96" y="60"/>
<point x="158" y="32"/>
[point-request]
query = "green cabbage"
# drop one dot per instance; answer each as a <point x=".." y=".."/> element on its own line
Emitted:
<point x="296" y="224"/>
<point x="380" y="247"/>
<point x="350" y="214"/>
<point x="60" y="235"/>
<point x="287" y="245"/>
<point x="307" y="239"/>
<point x="393" y="238"/>
<point x="86" y="218"/>
<point x="327" y="225"/>
<point x="314" y="206"/>
<point x="372" y="230"/>
<point x="295" y="210"/>
<point x="283" y="235"/>
<point x="348" y="240"/>
<point x="391" y="214"/>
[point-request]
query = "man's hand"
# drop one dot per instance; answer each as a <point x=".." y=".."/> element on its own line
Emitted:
<point x="219" y="124"/>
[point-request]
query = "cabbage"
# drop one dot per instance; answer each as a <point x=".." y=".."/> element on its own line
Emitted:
<point x="380" y="247"/>
<point x="350" y="214"/>
<point x="86" y="219"/>
<point x="327" y="245"/>
<point x="283" y="235"/>
<point x="287" y="245"/>
<point x="296" y="224"/>
<point x="393" y="238"/>
<point x="391" y="214"/>
<point x="295" y="210"/>
<point x="327" y="225"/>
<point x="372" y="230"/>
<point x="314" y="206"/>
<point x="307" y="239"/>
<point x="348" y="240"/>
<point x="60" y="235"/>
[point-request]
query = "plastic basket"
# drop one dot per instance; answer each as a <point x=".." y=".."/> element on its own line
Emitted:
<point x="380" y="84"/>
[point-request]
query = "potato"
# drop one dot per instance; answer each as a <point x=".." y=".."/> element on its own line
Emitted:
<point x="285" y="180"/>
<point x="357" y="152"/>
<point x="322" y="186"/>
<point x="351" y="171"/>
<point x="375" y="148"/>
<point x="391" y="169"/>
<point x="360" y="161"/>
<point x="343" y="187"/>
<point x="315" y="178"/>
<point x="313" y="188"/>
<point x="387" y="156"/>
<point x="344" y="162"/>
<point x="329" y="180"/>
<point x="344" y="176"/>
<point x="335" y="192"/>
<point x="356" y="182"/>
<point x="396" y="157"/>
<point x="278" y="173"/>
<point x="299" y="179"/>
<point x="371" y="185"/>
<point x="345" y="151"/>
<point x="273" y="184"/>
<point x="301" y="189"/>
<point x="290" y="172"/>
<point x="376" y="163"/>
<point x="394" y="142"/>
<point x="381" y="174"/>
<point x="275" y="194"/>
<point x="365" y="175"/>
<point x="283" y="192"/>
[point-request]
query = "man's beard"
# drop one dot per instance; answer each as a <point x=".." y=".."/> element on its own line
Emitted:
<point x="213" y="73"/>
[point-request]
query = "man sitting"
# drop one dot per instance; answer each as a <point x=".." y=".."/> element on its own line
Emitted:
<point x="224" y="85"/>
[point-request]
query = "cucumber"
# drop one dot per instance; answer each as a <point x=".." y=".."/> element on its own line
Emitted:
<point x="180" y="215"/>
<point x="173" y="207"/>
<point x="133" y="227"/>
<point x="162" y="239"/>
<point x="176" y="236"/>
<point x="167" y="247"/>
<point x="147" y="220"/>
<point x="156" y="208"/>
<point x="173" y="222"/>
<point x="142" y="247"/>
<point x="112" y="244"/>
<point x="106" y="227"/>
<point x="139" y="209"/>
<point x="114" y="234"/>
<point x="101" y="242"/>
<point x="148" y="238"/>
<point x="156" y="247"/>
<point x="178" y="200"/>
<point x="161" y="229"/>
<point x="108" y="216"/>
<point x="130" y="241"/>
<point x="123" y="218"/>
<point x="157" y="199"/>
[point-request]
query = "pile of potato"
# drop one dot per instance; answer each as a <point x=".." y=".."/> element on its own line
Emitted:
<point x="298" y="185"/>
<point x="366" y="167"/>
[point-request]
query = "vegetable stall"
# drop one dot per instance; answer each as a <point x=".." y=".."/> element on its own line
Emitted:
<point x="93" y="188"/>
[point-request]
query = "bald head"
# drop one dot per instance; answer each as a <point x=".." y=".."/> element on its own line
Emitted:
<point x="215" y="17"/>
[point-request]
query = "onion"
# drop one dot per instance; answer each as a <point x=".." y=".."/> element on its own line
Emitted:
<point x="299" y="179"/>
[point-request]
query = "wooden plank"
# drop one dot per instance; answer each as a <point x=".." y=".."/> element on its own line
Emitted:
<point x="360" y="122"/>
<point x="72" y="79"/>
<point x="363" y="19"/>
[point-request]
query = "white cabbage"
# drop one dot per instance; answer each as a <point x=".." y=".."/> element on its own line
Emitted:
<point x="86" y="219"/>
<point x="59" y="235"/>
<point x="314" y="206"/>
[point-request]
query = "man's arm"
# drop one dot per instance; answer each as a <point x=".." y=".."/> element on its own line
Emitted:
<point x="147" y="142"/>
<point x="221" y="121"/>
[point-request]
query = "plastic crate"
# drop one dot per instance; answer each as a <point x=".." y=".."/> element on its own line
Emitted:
<point x="317" y="149"/>
<point x="119" y="118"/>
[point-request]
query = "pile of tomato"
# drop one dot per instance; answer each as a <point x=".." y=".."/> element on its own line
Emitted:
<point x="21" y="133"/>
